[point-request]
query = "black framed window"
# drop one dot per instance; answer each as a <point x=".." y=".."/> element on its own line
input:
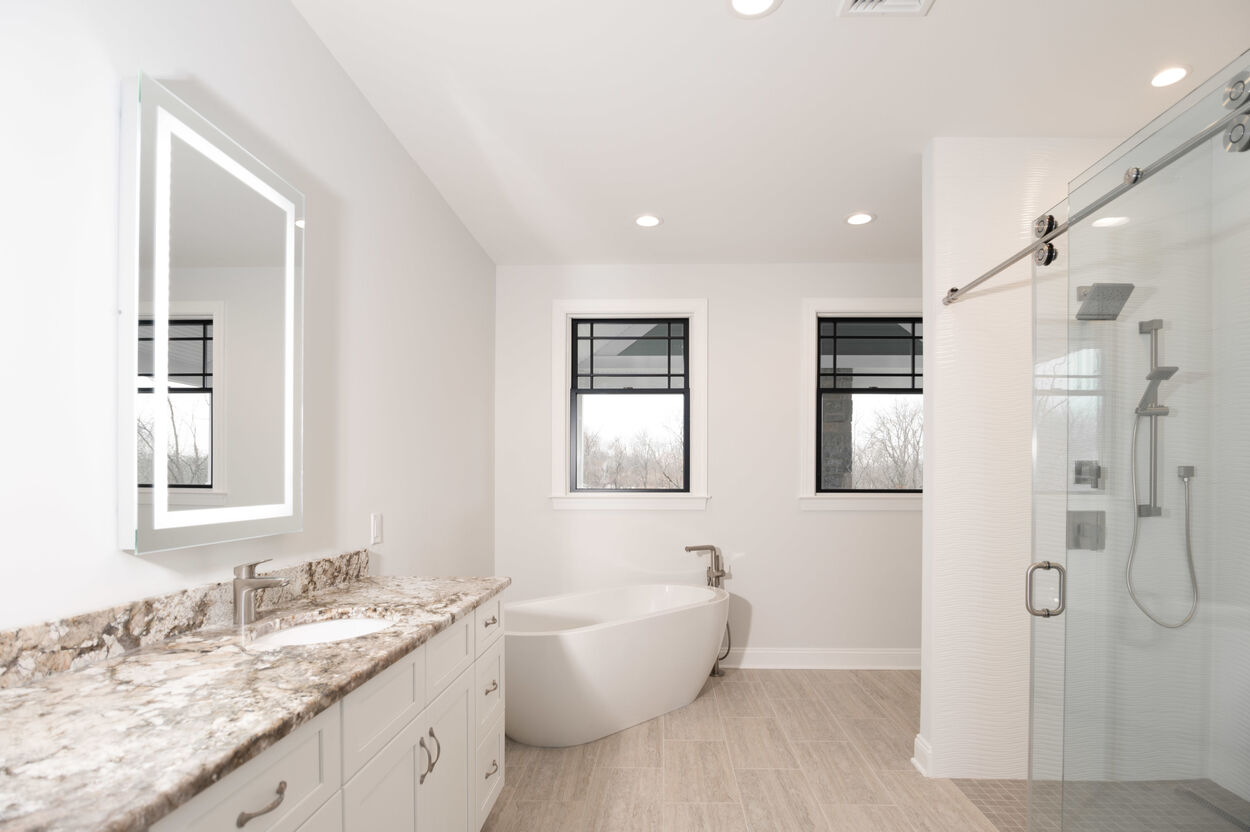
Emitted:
<point x="629" y="405"/>
<point x="869" y="404"/>
<point x="189" y="422"/>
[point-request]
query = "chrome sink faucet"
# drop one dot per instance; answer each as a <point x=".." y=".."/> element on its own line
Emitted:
<point x="245" y="585"/>
<point x="716" y="569"/>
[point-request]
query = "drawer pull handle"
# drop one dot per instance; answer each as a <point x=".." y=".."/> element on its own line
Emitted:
<point x="244" y="817"/>
<point x="494" y="768"/>
<point x="438" y="750"/>
<point x="428" y="756"/>
<point x="490" y="622"/>
<point x="494" y="686"/>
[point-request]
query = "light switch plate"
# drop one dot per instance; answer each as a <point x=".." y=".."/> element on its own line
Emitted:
<point x="375" y="528"/>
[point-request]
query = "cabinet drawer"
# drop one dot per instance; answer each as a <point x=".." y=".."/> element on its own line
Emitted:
<point x="376" y="711"/>
<point x="489" y="690"/>
<point x="446" y="657"/>
<point x="308" y="761"/>
<point x="329" y="818"/>
<point x="487" y="624"/>
<point x="488" y="778"/>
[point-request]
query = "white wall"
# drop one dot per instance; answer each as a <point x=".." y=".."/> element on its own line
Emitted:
<point x="980" y="199"/>
<point x="399" y="301"/>
<point x="809" y="587"/>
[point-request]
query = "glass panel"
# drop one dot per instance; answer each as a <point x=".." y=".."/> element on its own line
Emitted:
<point x="583" y="330"/>
<point x="186" y="381"/>
<point x="866" y="327"/>
<point x="678" y="364"/>
<point x="630" y="442"/>
<point x="186" y="357"/>
<point x="884" y="355"/>
<point x="613" y="330"/>
<point x="827" y="328"/>
<point x="1146" y="703"/>
<point x="177" y="330"/>
<point x="867" y="382"/>
<point x="190" y="438"/>
<point x="678" y="330"/>
<point x="582" y="348"/>
<point x="628" y="356"/>
<point x="145" y="357"/>
<point x="631" y="382"/>
<point x="871" y="442"/>
<point x="678" y="383"/>
<point x="583" y="382"/>
<point x="1050" y="437"/>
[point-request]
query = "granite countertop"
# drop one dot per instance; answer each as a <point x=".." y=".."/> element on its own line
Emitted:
<point x="122" y="743"/>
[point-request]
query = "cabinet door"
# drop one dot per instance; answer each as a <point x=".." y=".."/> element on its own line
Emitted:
<point x="382" y="797"/>
<point x="445" y="799"/>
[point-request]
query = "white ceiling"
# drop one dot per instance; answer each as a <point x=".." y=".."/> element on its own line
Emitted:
<point x="550" y="124"/>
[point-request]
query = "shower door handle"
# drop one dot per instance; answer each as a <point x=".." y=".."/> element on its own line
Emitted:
<point x="1028" y="589"/>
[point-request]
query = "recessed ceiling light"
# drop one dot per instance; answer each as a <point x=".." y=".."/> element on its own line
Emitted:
<point x="299" y="223"/>
<point x="754" y="8"/>
<point x="860" y="218"/>
<point x="647" y="221"/>
<point x="1168" y="77"/>
<point x="1110" y="222"/>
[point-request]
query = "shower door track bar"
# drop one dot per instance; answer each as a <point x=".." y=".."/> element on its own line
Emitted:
<point x="1132" y="178"/>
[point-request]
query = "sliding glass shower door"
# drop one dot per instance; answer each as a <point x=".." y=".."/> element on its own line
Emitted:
<point x="1141" y="685"/>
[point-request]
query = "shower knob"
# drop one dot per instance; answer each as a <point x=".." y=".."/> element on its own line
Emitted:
<point x="1237" y="139"/>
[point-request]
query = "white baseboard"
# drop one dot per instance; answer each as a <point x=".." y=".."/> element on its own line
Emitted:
<point x="923" y="755"/>
<point x="848" y="658"/>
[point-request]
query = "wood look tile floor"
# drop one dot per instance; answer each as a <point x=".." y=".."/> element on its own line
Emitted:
<point x="758" y="751"/>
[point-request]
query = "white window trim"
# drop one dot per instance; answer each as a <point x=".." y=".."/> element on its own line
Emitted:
<point x="562" y="314"/>
<point x="812" y="310"/>
<point x="219" y="494"/>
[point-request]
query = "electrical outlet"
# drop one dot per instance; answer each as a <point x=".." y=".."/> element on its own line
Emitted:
<point x="375" y="528"/>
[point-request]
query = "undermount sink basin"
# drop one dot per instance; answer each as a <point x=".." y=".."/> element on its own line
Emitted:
<point x="319" y="632"/>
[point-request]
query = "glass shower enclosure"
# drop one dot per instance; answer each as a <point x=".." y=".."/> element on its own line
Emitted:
<point x="1141" y="679"/>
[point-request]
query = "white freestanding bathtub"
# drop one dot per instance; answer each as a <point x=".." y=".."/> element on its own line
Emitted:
<point x="589" y="664"/>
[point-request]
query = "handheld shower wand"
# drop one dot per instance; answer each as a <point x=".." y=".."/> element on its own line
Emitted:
<point x="1150" y="408"/>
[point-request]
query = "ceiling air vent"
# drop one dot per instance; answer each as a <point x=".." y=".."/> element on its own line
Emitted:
<point x="885" y="8"/>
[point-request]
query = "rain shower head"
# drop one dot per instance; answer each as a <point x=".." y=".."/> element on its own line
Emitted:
<point x="1102" y="301"/>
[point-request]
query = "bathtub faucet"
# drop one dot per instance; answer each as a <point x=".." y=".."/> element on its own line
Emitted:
<point x="716" y="569"/>
<point x="715" y="578"/>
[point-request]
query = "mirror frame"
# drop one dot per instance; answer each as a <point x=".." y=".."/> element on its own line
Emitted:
<point x="157" y="117"/>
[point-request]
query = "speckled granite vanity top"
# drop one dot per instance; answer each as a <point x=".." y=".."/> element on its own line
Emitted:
<point x="121" y="743"/>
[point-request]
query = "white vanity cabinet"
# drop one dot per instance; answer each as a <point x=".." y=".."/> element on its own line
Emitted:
<point x="417" y="748"/>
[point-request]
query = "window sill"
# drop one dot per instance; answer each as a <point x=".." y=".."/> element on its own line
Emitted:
<point x="629" y="502"/>
<point x="861" y="502"/>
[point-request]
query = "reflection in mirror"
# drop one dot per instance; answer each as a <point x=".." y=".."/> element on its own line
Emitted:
<point x="216" y="337"/>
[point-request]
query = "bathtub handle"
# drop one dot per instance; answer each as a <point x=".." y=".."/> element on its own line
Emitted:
<point x="494" y="768"/>
<point x="494" y="686"/>
<point x="490" y="622"/>
<point x="438" y="750"/>
<point x="421" y="779"/>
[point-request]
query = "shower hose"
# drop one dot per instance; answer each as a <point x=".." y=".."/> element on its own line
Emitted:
<point x="1132" y="549"/>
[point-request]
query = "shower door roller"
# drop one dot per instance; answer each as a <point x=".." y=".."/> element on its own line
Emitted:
<point x="1028" y="589"/>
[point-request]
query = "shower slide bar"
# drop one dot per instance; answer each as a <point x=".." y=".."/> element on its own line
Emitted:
<point x="1236" y="122"/>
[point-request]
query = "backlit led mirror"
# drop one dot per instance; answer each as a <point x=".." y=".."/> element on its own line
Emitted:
<point x="211" y="337"/>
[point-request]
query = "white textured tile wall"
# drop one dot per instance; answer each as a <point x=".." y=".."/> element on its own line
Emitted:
<point x="980" y="199"/>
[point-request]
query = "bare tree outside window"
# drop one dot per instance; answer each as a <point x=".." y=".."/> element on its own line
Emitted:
<point x="889" y="451"/>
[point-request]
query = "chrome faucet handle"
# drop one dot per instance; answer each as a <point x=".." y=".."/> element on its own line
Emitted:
<point x="248" y="570"/>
